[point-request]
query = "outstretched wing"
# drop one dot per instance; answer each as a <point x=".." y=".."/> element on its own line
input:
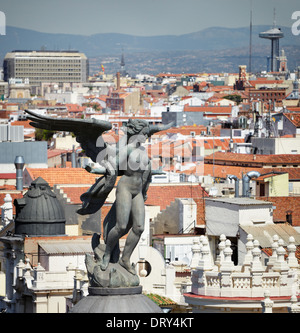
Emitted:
<point x="87" y="131"/>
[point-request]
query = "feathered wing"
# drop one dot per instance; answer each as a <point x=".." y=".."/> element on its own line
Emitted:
<point x="88" y="133"/>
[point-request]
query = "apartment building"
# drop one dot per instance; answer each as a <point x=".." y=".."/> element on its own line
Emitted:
<point x="46" y="66"/>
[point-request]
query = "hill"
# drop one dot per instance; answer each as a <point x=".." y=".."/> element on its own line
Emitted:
<point x="208" y="42"/>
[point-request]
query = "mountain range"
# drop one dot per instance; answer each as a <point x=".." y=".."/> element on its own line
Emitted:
<point x="211" y="41"/>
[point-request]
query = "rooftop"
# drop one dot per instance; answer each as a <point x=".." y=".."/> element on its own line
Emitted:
<point x="56" y="176"/>
<point x="253" y="158"/>
<point x="243" y="201"/>
<point x="162" y="195"/>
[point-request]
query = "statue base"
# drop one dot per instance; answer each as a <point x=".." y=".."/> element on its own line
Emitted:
<point x="116" y="300"/>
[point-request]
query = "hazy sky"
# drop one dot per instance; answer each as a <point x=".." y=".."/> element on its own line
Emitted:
<point x="143" y="17"/>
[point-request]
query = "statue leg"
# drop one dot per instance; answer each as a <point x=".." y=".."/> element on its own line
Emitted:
<point x="123" y="208"/>
<point x="138" y="218"/>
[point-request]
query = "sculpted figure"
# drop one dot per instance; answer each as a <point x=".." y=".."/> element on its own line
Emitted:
<point x="126" y="159"/>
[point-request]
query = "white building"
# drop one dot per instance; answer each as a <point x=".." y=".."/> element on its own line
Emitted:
<point x="221" y="287"/>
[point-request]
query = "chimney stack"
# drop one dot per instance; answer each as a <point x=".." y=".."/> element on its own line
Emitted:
<point x="19" y="164"/>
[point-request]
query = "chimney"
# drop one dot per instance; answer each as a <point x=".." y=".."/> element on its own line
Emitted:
<point x="237" y="185"/>
<point x="246" y="182"/>
<point x="19" y="164"/>
<point x="73" y="159"/>
<point x="63" y="158"/>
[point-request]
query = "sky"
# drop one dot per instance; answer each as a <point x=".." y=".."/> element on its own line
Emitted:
<point x="143" y="17"/>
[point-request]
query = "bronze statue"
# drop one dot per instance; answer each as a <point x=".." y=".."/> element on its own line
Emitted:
<point x="127" y="159"/>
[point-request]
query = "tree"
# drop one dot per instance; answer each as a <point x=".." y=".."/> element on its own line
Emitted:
<point x="236" y="98"/>
<point x="43" y="135"/>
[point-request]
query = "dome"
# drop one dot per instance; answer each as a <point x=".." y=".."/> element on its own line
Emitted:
<point x="39" y="212"/>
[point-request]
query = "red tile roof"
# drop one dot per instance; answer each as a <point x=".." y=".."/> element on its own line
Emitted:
<point x="222" y="171"/>
<point x="294" y="173"/>
<point x="162" y="195"/>
<point x="294" y="118"/>
<point x="209" y="109"/>
<point x="57" y="176"/>
<point x="75" y="108"/>
<point x="269" y="251"/>
<point x="74" y="193"/>
<point x="55" y="152"/>
<point x="252" y="159"/>
<point x="24" y="123"/>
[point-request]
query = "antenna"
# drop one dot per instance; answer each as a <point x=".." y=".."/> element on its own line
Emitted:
<point x="274" y="18"/>
<point x="250" y="43"/>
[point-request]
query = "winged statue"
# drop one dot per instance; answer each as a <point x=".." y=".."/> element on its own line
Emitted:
<point x="126" y="160"/>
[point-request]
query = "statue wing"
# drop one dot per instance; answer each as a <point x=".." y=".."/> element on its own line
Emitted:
<point x="87" y="131"/>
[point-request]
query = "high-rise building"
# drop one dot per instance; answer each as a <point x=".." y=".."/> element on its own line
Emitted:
<point x="46" y="66"/>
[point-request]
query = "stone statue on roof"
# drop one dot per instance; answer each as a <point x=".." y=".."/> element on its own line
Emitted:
<point x="128" y="160"/>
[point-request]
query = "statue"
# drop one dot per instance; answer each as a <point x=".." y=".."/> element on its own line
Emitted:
<point x="127" y="159"/>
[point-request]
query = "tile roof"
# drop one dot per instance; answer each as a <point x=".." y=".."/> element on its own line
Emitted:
<point x="252" y="159"/>
<point x="162" y="195"/>
<point x="56" y="176"/>
<point x="294" y="173"/>
<point x="75" y="108"/>
<point x="264" y="81"/>
<point x="268" y="251"/>
<point x="209" y="109"/>
<point x="55" y="152"/>
<point x="294" y="118"/>
<point x="74" y="193"/>
<point x="184" y="130"/>
<point x="24" y="123"/>
<point x="222" y="171"/>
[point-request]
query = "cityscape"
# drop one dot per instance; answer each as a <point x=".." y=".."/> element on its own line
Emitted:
<point x="216" y="116"/>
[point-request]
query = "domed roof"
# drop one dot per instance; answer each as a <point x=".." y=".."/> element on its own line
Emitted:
<point x="39" y="212"/>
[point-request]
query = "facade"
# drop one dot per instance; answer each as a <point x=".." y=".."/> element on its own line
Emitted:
<point x="273" y="185"/>
<point x="39" y="260"/>
<point x="238" y="217"/>
<point x="34" y="154"/>
<point x="46" y="66"/>
<point x="219" y="286"/>
<point x="126" y="102"/>
<point x="266" y="94"/>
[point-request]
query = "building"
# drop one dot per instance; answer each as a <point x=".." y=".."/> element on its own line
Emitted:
<point x="46" y="66"/>
<point x="38" y="258"/>
<point x="124" y="101"/>
<point x="287" y="123"/>
<point x="273" y="184"/>
<point x="219" y="286"/>
<point x="278" y="145"/>
<point x="244" y="259"/>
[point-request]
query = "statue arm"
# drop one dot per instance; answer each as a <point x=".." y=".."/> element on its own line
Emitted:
<point x="98" y="171"/>
<point x="146" y="180"/>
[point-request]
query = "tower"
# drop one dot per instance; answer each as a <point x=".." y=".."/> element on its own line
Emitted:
<point x="282" y="62"/>
<point x="274" y="34"/>
<point x="122" y="64"/>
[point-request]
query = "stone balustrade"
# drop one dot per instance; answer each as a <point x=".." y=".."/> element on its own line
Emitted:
<point x="280" y="277"/>
<point x="39" y="278"/>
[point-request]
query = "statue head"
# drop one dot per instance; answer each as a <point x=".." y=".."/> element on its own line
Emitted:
<point x="142" y="127"/>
